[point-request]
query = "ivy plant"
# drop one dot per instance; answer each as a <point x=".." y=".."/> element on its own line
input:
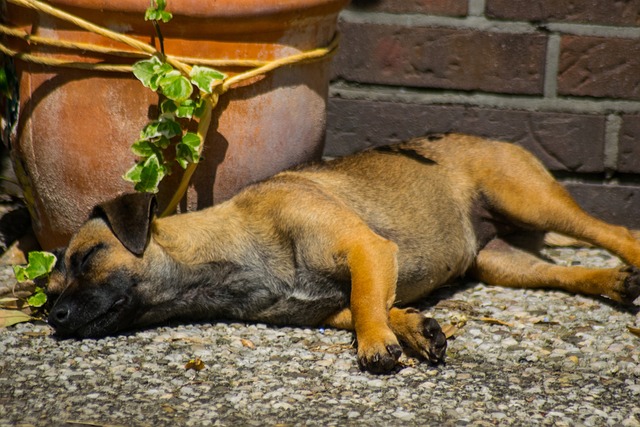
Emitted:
<point x="183" y="101"/>
<point x="40" y="264"/>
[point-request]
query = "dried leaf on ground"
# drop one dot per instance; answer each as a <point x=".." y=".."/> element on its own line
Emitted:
<point x="182" y="338"/>
<point x="459" y="320"/>
<point x="493" y="321"/>
<point x="9" y="302"/>
<point x="408" y="362"/>
<point x="634" y="331"/>
<point x="458" y="305"/>
<point x="333" y="348"/>
<point x="449" y="330"/>
<point x="11" y="317"/>
<point x="17" y="290"/>
<point x="196" y="364"/>
<point x="247" y="343"/>
<point x="38" y="333"/>
<point x="544" y="321"/>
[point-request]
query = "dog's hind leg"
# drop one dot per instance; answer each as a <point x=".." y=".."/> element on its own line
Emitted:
<point x="422" y="334"/>
<point x="515" y="184"/>
<point x="503" y="265"/>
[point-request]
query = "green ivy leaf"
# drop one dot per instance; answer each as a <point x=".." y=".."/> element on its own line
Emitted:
<point x="38" y="299"/>
<point x="133" y="174"/>
<point x="145" y="70"/>
<point x="151" y="14"/>
<point x="200" y="108"/>
<point x="143" y="148"/>
<point x="165" y="16"/>
<point x="150" y="130"/>
<point x="164" y="127"/>
<point x="185" y="109"/>
<point x="158" y="13"/>
<point x="151" y="174"/>
<point x="162" y="142"/>
<point x="40" y="264"/>
<point x="168" y="107"/>
<point x="204" y="77"/>
<point x="150" y="71"/>
<point x="187" y="149"/>
<point x="175" y="86"/>
<point x="169" y="127"/>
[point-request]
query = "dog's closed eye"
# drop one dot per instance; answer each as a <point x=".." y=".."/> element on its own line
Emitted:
<point x="80" y="261"/>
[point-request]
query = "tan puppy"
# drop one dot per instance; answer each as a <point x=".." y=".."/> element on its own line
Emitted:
<point x="343" y="243"/>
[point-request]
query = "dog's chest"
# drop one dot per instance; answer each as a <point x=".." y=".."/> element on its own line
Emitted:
<point x="312" y="298"/>
<point x="255" y="294"/>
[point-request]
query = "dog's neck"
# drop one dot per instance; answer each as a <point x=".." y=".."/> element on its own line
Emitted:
<point x="211" y="235"/>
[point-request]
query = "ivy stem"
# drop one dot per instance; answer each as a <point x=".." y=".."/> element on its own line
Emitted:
<point x="210" y="101"/>
<point x="156" y="26"/>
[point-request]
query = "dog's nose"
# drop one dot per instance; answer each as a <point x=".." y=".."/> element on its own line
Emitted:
<point x="59" y="316"/>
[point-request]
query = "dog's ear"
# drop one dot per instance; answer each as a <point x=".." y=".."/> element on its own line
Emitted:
<point x="129" y="217"/>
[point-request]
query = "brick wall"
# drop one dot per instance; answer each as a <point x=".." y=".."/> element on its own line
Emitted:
<point x="559" y="77"/>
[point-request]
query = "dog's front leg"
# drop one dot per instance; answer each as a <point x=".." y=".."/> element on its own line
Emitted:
<point x="373" y="266"/>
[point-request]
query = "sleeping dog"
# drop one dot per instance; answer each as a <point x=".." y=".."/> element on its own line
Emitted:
<point x="347" y="243"/>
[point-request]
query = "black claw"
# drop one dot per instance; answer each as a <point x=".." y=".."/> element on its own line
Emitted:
<point x="382" y="363"/>
<point x="395" y="351"/>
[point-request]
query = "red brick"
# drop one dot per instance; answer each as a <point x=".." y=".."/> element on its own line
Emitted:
<point x="599" y="67"/>
<point x="563" y="141"/>
<point x="441" y="58"/>
<point x="606" y="12"/>
<point x="628" y="147"/>
<point x="614" y="203"/>
<point x="431" y="7"/>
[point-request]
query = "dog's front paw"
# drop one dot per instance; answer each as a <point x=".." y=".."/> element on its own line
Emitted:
<point x="379" y="355"/>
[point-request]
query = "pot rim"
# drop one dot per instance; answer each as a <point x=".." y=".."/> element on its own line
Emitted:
<point x="227" y="9"/>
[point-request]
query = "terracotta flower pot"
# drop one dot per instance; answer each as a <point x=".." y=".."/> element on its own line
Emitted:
<point x="75" y="128"/>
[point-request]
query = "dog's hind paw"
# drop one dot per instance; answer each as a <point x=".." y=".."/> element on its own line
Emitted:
<point x="421" y="334"/>
<point x="631" y="286"/>
<point x="437" y="340"/>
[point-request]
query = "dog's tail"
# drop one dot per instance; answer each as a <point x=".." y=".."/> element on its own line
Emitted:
<point x="556" y="239"/>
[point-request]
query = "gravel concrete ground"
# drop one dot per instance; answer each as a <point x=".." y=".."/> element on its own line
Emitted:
<point x="520" y="357"/>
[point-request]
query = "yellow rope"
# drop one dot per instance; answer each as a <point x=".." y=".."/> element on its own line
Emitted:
<point x="261" y="67"/>
<point x="54" y="62"/>
<point x="288" y="60"/>
<point x="89" y="47"/>
<point x="86" y="25"/>
<point x="145" y="50"/>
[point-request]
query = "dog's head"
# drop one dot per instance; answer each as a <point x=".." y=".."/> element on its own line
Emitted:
<point x="93" y="286"/>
